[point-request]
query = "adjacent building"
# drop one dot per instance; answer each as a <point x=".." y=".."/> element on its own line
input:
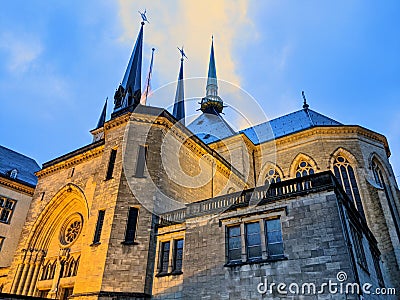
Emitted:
<point x="17" y="184"/>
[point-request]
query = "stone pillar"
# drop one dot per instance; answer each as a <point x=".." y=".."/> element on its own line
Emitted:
<point x="24" y="273"/>
<point x="17" y="278"/>
<point x="34" y="279"/>
<point x="38" y="264"/>
<point x="30" y="270"/>
<point x="54" y="287"/>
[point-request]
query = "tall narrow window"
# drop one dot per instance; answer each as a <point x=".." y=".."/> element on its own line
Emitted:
<point x="7" y="207"/>
<point x="253" y="241"/>
<point x="274" y="239"/>
<point x="377" y="266"/>
<point x="345" y="175"/>
<point x="358" y="246"/>
<point x="381" y="181"/>
<point x="141" y="161"/>
<point x="272" y="176"/>
<point x="234" y="244"/>
<point x="178" y="255"/>
<point x="99" y="226"/>
<point x="131" y="225"/>
<point x="2" y="238"/>
<point x="164" y="257"/>
<point x="304" y="168"/>
<point x="111" y="163"/>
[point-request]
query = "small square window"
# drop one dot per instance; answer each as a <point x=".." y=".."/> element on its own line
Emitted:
<point x="253" y="241"/>
<point x="178" y="255"/>
<point x="274" y="239"/>
<point x="234" y="244"/>
<point x="164" y="257"/>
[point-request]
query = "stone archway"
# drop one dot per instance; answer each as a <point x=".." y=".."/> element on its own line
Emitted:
<point x="53" y="246"/>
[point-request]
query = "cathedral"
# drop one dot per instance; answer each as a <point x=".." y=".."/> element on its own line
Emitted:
<point x="301" y="206"/>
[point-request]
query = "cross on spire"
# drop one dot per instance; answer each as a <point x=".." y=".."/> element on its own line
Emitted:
<point x="305" y="105"/>
<point x="179" y="105"/>
<point x="182" y="53"/>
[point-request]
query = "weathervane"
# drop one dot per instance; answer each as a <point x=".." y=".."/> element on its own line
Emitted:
<point x="143" y="15"/>
<point x="182" y="53"/>
<point x="305" y="105"/>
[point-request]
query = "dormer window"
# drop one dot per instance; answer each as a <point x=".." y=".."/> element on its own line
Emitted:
<point x="13" y="173"/>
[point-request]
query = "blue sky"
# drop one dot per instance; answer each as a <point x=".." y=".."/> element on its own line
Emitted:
<point x="60" y="60"/>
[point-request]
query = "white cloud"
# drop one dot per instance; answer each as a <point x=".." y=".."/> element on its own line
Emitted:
<point x="22" y="50"/>
<point x="190" y="23"/>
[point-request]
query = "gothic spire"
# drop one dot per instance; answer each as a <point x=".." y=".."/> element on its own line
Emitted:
<point x="179" y="105"/>
<point x="129" y="91"/>
<point x="102" y="118"/>
<point x="212" y="103"/>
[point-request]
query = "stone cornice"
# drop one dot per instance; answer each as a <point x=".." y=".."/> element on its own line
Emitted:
<point x="73" y="158"/>
<point x="332" y="130"/>
<point x="17" y="186"/>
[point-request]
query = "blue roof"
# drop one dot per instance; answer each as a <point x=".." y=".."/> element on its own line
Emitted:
<point x="211" y="128"/>
<point x="287" y="124"/>
<point x="25" y="166"/>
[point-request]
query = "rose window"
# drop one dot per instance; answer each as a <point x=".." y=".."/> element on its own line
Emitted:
<point x="71" y="229"/>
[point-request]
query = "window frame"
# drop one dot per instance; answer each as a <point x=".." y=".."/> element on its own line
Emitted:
<point x="261" y="219"/>
<point x="228" y="250"/>
<point x="247" y="243"/>
<point x="274" y="256"/>
<point x="5" y="209"/>
<point x="131" y="223"/>
<point x="161" y="257"/>
<point x="171" y="260"/>
<point x="175" y="269"/>
<point x="111" y="163"/>
<point x="99" y="226"/>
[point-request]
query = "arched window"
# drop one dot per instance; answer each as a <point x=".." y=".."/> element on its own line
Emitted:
<point x="345" y="175"/>
<point x="377" y="174"/>
<point x="304" y="168"/>
<point x="381" y="181"/>
<point x="272" y="176"/>
<point x="14" y="173"/>
<point x="75" y="270"/>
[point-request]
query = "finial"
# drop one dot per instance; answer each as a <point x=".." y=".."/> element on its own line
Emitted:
<point x="212" y="37"/>
<point x="182" y="53"/>
<point x="305" y="105"/>
<point x="143" y="15"/>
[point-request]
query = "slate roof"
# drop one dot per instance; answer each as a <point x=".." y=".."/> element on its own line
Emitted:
<point x="287" y="124"/>
<point x="25" y="166"/>
<point x="210" y="128"/>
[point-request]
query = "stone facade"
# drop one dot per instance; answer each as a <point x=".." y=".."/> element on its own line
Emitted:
<point x="58" y="255"/>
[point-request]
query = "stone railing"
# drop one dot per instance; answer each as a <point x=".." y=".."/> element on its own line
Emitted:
<point x="255" y="196"/>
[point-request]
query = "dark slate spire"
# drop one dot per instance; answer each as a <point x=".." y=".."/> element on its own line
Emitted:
<point x="179" y="105"/>
<point x="129" y="91"/>
<point x="102" y="118"/>
<point x="212" y="103"/>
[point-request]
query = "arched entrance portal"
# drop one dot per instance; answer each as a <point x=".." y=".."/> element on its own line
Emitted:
<point x="51" y="257"/>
